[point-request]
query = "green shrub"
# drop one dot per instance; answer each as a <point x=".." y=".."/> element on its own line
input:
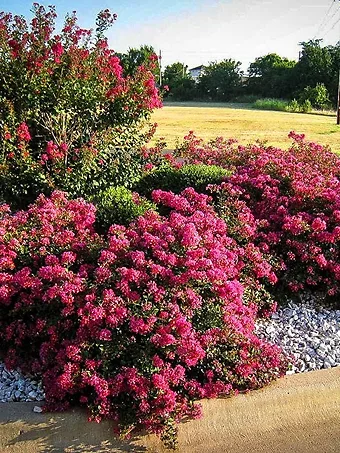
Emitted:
<point x="294" y="106"/>
<point x="119" y="205"/>
<point x="21" y="187"/>
<point x="317" y="96"/>
<point x="300" y="107"/>
<point x="306" y="106"/>
<point x="271" y="104"/>
<point x="175" y="180"/>
<point x="115" y="159"/>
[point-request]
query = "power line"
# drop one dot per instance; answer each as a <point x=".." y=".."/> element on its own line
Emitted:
<point x="335" y="12"/>
<point x="160" y="66"/>
<point x="324" y="20"/>
<point x="336" y="22"/>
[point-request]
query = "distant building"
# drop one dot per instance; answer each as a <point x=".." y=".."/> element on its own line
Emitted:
<point x="244" y="79"/>
<point x="196" y="72"/>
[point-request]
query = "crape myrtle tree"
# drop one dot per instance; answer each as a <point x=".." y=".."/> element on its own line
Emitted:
<point x="221" y="81"/>
<point x="69" y="116"/>
<point x="181" y="85"/>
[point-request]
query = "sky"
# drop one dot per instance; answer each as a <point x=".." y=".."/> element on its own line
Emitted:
<point x="196" y="32"/>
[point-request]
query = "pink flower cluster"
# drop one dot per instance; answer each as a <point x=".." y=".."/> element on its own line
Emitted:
<point x="23" y="133"/>
<point x="294" y="197"/>
<point x="54" y="152"/>
<point x="138" y="325"/>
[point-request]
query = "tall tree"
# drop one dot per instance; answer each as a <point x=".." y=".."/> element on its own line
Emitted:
<point x="271" y="76"/>
<point x="221" y="81"/>
<point x="175" y="71"/>
<point x="317" y="65"/>
<point x="136" y="57"/>
<point x="181" y="85"/>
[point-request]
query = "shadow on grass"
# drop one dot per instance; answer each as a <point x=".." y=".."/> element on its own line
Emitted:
<point x="333" y="131"/>
<point x="222" y="105"/>
<point x="239" y="106"/>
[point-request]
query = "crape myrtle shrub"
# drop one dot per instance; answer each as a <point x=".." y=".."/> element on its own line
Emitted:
<point x="69" y="118"/>
<point x="141" y="323"/>
<point x="293" y="195"/>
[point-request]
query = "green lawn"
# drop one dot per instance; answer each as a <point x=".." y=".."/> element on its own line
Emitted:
<point x="242" y="122"/>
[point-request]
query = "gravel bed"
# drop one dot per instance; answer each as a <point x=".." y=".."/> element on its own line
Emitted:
<point x="308" y="332"/>
<point x="16" y="387"/>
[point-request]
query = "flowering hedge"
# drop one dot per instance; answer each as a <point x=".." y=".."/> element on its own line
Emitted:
<point x="140" y="324"/>
<point x="65" y="106"/>
<point x="294" y="197"/>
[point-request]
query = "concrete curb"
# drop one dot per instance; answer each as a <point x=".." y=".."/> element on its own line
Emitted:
<point x="298" y="414"/>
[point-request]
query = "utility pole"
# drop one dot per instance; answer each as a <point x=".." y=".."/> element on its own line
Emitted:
<point x="338" y="103"/>
<point x="160" y="67"/>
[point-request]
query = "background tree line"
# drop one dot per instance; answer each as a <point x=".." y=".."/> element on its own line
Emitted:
<point x="314" y="78"/>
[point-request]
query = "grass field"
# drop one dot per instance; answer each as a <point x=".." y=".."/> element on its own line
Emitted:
<point x="243" y="123"/>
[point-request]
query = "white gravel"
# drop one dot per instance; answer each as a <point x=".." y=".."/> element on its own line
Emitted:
<point x="16" y="387"/>
<point x="308" y="332"/>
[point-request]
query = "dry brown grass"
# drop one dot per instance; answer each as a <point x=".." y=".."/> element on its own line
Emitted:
<point x="243" y="123"/>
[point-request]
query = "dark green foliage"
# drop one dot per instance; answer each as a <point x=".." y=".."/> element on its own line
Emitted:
<point x="181" y="86"/>
<point x="183" y="90"/>
<point x="176" y="180"/>
<point x="136" y="57"/>
<point x="119" y="205"/>
<point x="221" y="81"/>
<point x="317" y="65"/>
<point x="116" y="161"/>
<point x="270" y="76"/>
<point x="21" y="187"/>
